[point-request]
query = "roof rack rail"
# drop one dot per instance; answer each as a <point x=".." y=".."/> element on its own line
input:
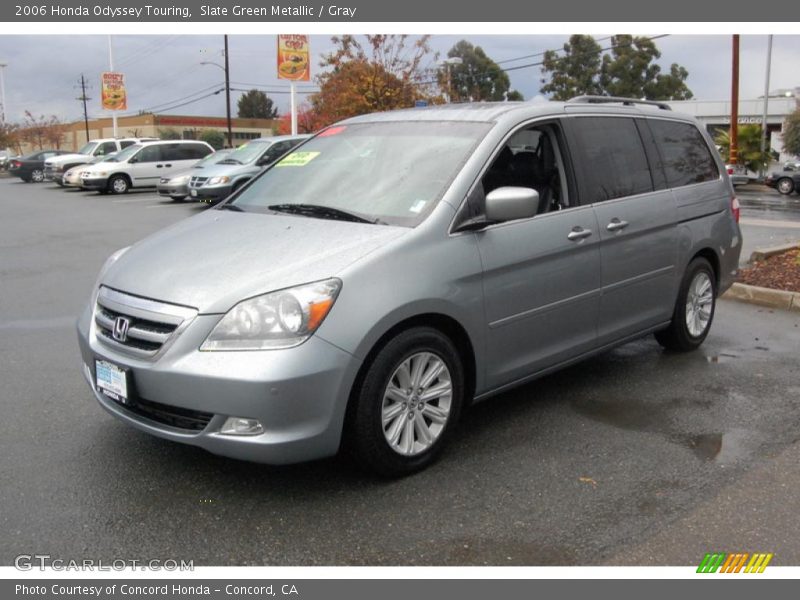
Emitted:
<point x="617" y="99"/>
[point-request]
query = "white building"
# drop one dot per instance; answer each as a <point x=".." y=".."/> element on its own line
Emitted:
<point x="716" y="114"/>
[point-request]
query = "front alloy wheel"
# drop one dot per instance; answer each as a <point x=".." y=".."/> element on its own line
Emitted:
<point x="37" y="176"/>
<point x="416" y="403"/>
<point x="118" y="185"/>
<point x="407" y="403"/>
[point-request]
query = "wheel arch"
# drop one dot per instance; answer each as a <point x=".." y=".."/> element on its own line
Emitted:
<point x="443" y="323"/>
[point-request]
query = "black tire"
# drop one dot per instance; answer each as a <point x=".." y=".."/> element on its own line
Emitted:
<point x="785" y="185"/>
<point x="59" y="182"/>
<point x="177" y="198"/>
<point x="25" y="178"/>
<point x="365" y="437"/>
<point x="678" y="337"/>
<point x="118" y="184"/>
<point x="37" y="176"/>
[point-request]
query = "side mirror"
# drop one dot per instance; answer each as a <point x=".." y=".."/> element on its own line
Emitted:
<point x="510" y="203"/>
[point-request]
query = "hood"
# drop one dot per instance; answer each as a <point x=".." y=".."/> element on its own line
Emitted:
<point x="218" y="258"/>
<point x="103" y="166"/>
<point x="62" y="159"/>
<point x="230" y="170"/>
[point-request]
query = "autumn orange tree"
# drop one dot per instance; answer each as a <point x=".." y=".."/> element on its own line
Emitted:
<point x="383" y="72"/>
<point x="308" y="121"/>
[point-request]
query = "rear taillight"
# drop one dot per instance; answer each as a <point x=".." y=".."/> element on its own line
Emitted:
<point x="16" y="164"/>
<point x="735" y="208"/>
<point x="730" y="170"/>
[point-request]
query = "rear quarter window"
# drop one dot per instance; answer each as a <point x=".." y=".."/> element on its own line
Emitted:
<point x="685" y="156"/>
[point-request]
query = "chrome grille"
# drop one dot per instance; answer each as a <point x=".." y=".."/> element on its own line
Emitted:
<point x="151" y="325"/>
<point x="197" y="182"/>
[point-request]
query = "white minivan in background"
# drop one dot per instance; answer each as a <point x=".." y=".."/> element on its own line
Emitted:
<point x="143" y="165"/>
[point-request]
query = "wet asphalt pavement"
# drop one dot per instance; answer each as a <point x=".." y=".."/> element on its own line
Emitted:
<point x="633" y="457"/>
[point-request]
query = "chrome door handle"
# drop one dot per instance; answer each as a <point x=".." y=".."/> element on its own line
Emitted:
<point x="617" y="225"/>
<point x="578" y="233"/>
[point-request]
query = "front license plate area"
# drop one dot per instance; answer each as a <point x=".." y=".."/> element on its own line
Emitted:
<point x="112" y="381"/>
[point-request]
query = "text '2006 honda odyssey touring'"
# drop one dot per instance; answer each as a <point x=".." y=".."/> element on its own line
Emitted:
<point x="397" y="266"/>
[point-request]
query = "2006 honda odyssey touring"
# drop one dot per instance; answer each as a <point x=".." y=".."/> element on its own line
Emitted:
<point x="398" y="266"/>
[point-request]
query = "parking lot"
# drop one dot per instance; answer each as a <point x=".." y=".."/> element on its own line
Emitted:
<point x="618" y="460"/>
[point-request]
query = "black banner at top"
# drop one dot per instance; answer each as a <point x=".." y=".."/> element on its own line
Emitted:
<point x="398" y="11"/>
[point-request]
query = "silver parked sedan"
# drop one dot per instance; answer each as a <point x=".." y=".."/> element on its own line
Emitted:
<point x="177" y="186"/>
<point x="398" y="266"/>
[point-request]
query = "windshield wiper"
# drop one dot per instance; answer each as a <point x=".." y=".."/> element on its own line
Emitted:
<point x="322" y="212"/>
<point x="229" y="206"/>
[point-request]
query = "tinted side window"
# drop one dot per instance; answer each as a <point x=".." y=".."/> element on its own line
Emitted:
<point x="198" y="151"/>
<point x="149" y="154"/>
<point x="275" y="151"/>
<point x="126" y="143"/>
<point x="105" y="148"/>
<point x="685" y="156"/>
<point x="613" y="158"/>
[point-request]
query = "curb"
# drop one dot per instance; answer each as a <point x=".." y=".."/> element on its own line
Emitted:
<point x="764" y="253"/>
<point x="763" y="296"/>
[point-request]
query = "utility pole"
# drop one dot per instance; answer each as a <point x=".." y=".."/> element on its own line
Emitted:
<point x="83" y="98"/>
<point x="228" y="93"/>
<point x="734" y="152"/>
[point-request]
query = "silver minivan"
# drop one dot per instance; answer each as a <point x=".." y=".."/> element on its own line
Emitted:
<point x="398" y="266"/>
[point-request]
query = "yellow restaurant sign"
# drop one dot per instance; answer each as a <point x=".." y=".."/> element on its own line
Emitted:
<point x="113" y="95"/>
<point x="293" y="56"/>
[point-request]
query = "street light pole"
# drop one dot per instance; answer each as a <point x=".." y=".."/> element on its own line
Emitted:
<point x="448" y="62"/>
<point x="763" y="170"/>
<point x="734" y="151"/>
<point x="228" y="94"/>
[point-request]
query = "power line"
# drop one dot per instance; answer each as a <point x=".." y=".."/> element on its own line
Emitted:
<point x="174" y="100"/>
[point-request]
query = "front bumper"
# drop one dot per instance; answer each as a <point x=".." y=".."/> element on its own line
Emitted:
<point x="211" y="193"/>
<point x="176" y="191"/>
<point x="299" y="395"/>
<point x="94" y="183"/>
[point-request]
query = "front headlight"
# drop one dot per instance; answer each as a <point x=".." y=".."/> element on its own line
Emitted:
<point x="276" y="320"/>
<point x="218" y="180"/>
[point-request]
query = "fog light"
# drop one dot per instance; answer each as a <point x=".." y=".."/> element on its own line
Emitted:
<point x="240" y="426"/>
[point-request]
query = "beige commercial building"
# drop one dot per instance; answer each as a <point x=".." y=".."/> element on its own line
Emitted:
<point x="153" y="125"/>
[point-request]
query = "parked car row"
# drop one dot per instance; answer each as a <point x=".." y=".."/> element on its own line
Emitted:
<point x="178" y="169"/>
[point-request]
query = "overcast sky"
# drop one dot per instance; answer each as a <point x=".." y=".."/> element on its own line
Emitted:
<point x="163" y="71"/>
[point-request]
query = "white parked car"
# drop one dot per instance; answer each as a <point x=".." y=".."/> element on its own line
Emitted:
<point x="143" y="165"/>
<point x="54" y="168"/>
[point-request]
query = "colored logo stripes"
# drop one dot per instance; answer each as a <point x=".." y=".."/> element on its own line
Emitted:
<point x="734" y="563"/>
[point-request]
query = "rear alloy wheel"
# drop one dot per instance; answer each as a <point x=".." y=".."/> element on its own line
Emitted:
<point x="694" y="310"/>
<point x="37" y="176"/>
<point x="785" y="186"/>
<point x="408" y="403"/>
<point x="118" y="184"/>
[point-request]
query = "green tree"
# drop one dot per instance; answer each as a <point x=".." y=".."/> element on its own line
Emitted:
<point x="478" y="78"/>
<point x="791" y="133"/>
<point x="214" y="138"/>
<point x="576" y="72"/>
<point x="255" y="104"/>
<point x="628" y="70"/>
<point x="748" y="147"/>
<point x="168" y="133"/>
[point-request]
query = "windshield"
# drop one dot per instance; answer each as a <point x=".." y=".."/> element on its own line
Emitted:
<point x="87" y="149"/>
<point x="124" y="155"/>
<point x="213" y="158"/>
<point x="247" y="153"/>
<point x="385" y="172"/>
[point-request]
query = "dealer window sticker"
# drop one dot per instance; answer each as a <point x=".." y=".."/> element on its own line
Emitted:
<point x="298" y="159"/>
